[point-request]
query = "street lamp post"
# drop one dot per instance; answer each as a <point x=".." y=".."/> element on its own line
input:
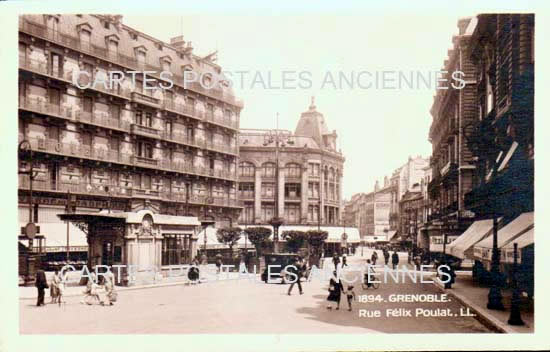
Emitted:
<point x="495" y="296"/>
<point x="30" y="228"/>
<point x="276" y="137"/>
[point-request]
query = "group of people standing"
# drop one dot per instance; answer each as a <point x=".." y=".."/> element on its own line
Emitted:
<point x="57" y="287"/>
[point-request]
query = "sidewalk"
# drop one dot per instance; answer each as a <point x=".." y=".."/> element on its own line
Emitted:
<point x="29" y="292"/>
<point x="474" y="296"/>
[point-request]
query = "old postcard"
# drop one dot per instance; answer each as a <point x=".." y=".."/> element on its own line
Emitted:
<point x="343" y="171"/>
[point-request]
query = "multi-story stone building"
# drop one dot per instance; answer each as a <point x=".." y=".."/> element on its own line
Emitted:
<point x="309" y="187"/>
<point x="402" y="180"/>
<point x="452" y="160"/>
<point x="169" y="151"/>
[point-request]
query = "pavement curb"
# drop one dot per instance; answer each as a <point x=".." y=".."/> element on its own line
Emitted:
<point x="484" y="318"/>
<point x="140" y="287"/>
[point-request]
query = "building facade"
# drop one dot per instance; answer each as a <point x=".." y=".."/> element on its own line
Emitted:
<point x="171" y="150"/>
<point x="309" y="184"/>
<point x="402" y="180"/>
<point x="452" y="161"/>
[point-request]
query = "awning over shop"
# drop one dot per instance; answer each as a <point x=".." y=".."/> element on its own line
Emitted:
<point x="55" y="238"/>
<point x="391" y="234"/>
<point x="525" y="240"/>
<point x="334" y="232"/>
<point x="131" y="217"/>
<point x="462" y="247"/>
<point x="213" y="243"/>
<point x="520" y="225"/>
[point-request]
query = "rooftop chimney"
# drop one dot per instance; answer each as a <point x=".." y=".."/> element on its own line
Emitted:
<point x="462" y="25"/>
<point x="178" y="43"/>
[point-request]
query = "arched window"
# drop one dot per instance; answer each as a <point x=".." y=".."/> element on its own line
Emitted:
<point x="268" y="170"/>
<point x="246" y="169"/>
<point x="293" y="170"/>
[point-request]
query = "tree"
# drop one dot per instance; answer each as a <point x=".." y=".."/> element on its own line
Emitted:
<point x="229" y="236"/>
<point x="259" y="237"/>
<point x="316" y="239"/>
<point x="294" y="240"/>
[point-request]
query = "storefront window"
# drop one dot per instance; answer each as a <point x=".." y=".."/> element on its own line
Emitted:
<point x="176" y="249"/>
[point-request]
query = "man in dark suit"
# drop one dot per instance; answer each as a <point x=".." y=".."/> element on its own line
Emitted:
<point x="296" y="269"/>
<point x="41" y="284"/>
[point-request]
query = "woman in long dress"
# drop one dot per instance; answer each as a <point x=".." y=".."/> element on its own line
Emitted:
<point x="54" y="287"/>
<point x="61" y="287"/>
<point x="335" y="291"/>
<point x="109" y="285"/>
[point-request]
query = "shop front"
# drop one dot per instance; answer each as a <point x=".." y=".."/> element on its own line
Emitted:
<point x="137" y="245"/>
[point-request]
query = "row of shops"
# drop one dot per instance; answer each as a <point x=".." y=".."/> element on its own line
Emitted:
<point x="145" y="240"/>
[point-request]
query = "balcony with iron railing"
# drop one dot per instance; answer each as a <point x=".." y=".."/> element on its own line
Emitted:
<point x="145" y="99"/>
<point x="145" y="131"/>
<point x="42" y="68"/>
<point x="107" y="190"/>
<point x="67" y="40"/>
<point x="104" y="154"/>
<point x="102" y="119"/>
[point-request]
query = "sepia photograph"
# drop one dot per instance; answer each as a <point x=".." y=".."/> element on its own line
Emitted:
<point x="303" y="172"/>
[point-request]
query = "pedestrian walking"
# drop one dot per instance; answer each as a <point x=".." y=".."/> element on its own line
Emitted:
<point x="344" y="260"/>
<point x="336" y="261"/>
<point x="350" y="295"/>
<point x="386" y="256"/>
<point x="335" y="289"/>
<point x="41" y="284"/>
<point x="91" y="290"/>
<point x="374" y="257"/>
<point x="394" y="259"/>
<point x="109" y="285"/>
<point x="296" y="269"/>
<point x="219" y="263"/>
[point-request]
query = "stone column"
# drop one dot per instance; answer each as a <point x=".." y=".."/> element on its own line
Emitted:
<point x="280" y="184"/>
<point x="304" y="201"/>
<point x="257" y="196"/>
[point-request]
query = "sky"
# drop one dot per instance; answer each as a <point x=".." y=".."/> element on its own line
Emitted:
<point x="378" y="129"/>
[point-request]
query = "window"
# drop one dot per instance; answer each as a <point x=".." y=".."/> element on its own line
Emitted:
<point x="246" y="169"/>
<point x="313" y="213"/>
<point x="212" y="163"/>
<point x="268" y="190"/>
<point x="313" y="170"/>
<point x="145" y="150"/>
<point x="22" y="52"/>
<point x="292" y="213"/>
<point x="209" y="110"/>
<point x="85" y="39"/>
<point x="168" y="127"/>
<point x="268" y="170"/>
<point x="55" y="65"/>
<point x="293" y="170"/>
<point x="313" y="189"/>
<point x="268" y="211"/>
<point x="148" y="119"/>
<point x="190" y="132"/>
<point x="106" y="25"/>
<point x="246" y="190"/>
<point x="115" y="111"/>
<point x="113" y="47"/>
<point x="292" y="190"/>
<point x="139" y="117"/>
<point x="175" y="249"/>
<point x="247" y="214"/>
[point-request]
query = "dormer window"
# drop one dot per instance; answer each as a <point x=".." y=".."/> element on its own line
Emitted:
<point x="111" y="42"/>
<point x="85" y="32"/>
<point x="140" y="52"/>
<point x="134" y="36"/>
<point x="165" y="62"/>
<point x="52" y="22"/>
<point x="106" y="25"/>
<point x="159" y="46"/>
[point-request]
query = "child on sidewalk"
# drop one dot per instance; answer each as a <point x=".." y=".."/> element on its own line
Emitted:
<point x="350" y="294"/>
